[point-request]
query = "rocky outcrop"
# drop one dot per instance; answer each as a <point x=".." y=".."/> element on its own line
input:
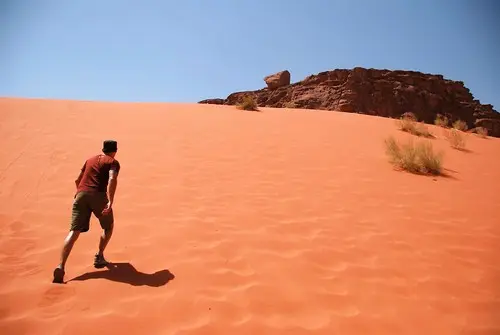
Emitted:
<point x="380" y="92"/>
<point x="493" y="126"/>
<point x="278" y="80"/>
<point x="213" y="101"/>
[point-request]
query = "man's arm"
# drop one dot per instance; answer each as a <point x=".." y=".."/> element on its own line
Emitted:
<point x="112" y="183"/>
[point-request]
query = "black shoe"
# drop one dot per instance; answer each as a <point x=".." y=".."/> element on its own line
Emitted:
<point x="58" y="276"/>
<point x="99" y="261"/>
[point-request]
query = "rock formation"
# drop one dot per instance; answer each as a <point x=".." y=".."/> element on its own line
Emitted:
<point x="376" y="92"/>
<point x="213" y="101"/>
<point x="278" y="80"/>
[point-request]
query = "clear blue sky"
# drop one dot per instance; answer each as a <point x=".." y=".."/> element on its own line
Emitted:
<point x="189" y="50"/>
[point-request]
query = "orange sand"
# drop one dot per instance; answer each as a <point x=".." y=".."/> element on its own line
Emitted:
<point x="280" y="222"/>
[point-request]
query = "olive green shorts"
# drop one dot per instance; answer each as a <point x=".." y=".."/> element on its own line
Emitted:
<point x="86" y="203"/>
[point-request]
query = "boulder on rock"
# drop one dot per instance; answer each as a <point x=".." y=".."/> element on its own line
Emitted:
<point x="278" y="80"/>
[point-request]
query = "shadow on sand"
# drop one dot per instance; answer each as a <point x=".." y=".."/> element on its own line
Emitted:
<point x="468" y="151"/>
<point x="445" y="173"/>
<point x="449" y="174"/>
<point x="126" y="273"/>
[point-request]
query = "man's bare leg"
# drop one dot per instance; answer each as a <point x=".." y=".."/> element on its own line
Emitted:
<point x="68" y="245"/>
<point x="69" y="242"/>
<point x="99" y="260"/>
<point x="105" y="237"/>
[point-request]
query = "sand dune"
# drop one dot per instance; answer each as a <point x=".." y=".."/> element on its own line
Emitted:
<point x="279" y="222"/>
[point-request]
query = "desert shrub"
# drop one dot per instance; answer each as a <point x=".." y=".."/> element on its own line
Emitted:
<point x="409" y="116"/>
<point x="404" y="158"/>
<point x="422" y="130"/>
<point x="290" y="104"/>
<point x="408" y="123"/>
<point x="456" y="139"/>
<point x="248" y="103"/>
<point x="430" y="161"/>
<point x="414" y="158"/>
<point x="482" y="132"/>
<point x="460" y="125"/>
<point x="441" y="121"/>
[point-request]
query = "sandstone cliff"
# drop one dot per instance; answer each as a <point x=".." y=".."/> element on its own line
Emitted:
<point x="378" y="92"/>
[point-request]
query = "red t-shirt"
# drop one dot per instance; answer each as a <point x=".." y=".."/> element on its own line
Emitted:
<point x="96" y="173"/>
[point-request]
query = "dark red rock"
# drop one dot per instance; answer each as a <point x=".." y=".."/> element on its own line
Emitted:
<point x="493" y="126"/>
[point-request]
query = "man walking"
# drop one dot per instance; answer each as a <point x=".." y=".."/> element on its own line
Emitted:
<point x="95" y="191"/>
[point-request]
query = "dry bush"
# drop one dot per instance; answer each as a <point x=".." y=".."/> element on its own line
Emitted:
<point x="456" y="139"/>
<point x="409" y="116"/>
<point x="441" y="121"/>
<point x="408" y="123"/>
<point x="415" y="158"/>
<point x="290" y="104"/>
<point x="482" y="132"/>
<point x="248" y="104"/>
<point x="431" y="162"/>
<point x="404" y="158"/>
<point x="460" y="125"/>
<point x="423" y="130"/>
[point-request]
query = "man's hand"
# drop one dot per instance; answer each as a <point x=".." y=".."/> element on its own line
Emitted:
<point x="107" y="209"/>
<point x="77" y="181"/>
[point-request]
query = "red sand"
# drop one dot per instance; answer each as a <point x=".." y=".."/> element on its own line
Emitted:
<point x="281" y="222"/>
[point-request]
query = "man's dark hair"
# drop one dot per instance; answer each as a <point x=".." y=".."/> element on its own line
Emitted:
<point x="109" y="146"/>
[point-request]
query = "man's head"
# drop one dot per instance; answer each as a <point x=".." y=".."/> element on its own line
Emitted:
<point x="110" y="147"/>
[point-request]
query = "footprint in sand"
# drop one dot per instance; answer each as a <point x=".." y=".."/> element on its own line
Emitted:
<point x="56" y="295"/>
<point x="17" y="226"/>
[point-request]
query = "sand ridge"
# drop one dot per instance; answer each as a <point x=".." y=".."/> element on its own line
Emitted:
<point x="284" y="221"/>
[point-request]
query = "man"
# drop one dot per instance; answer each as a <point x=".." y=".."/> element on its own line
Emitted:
<point x="95" y="192"/>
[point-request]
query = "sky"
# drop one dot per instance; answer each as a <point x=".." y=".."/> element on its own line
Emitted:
<point x="190" y="50"/>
